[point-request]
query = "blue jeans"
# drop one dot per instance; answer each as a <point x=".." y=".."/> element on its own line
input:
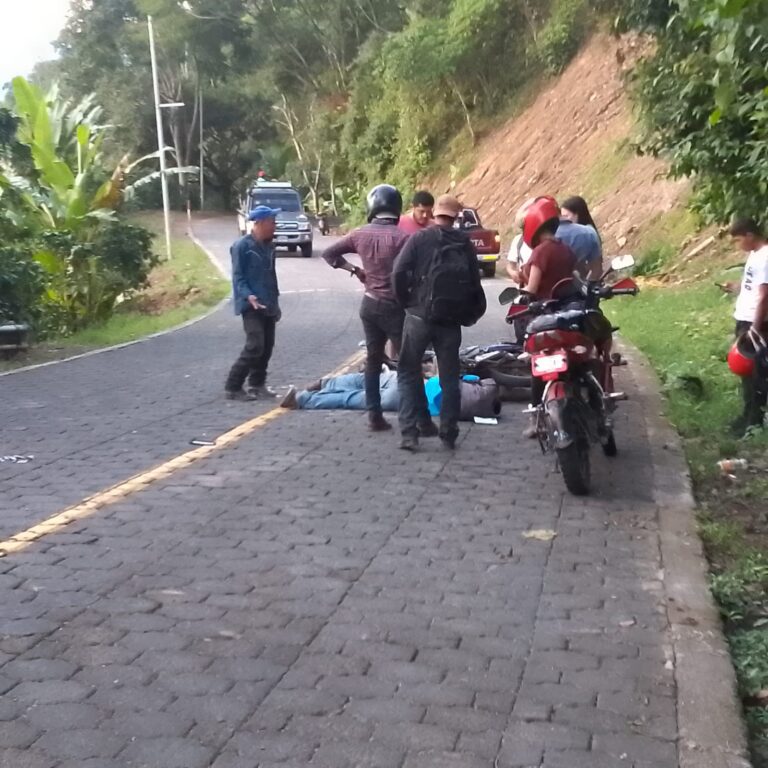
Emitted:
<point x="348" y="392"/>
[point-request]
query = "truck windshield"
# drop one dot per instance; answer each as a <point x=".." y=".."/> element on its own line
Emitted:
<point x="286" y="201"/>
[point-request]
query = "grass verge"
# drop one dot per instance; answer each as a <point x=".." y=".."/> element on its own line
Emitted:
<point x="685" y="332"/>
<point x="179" y="290"/>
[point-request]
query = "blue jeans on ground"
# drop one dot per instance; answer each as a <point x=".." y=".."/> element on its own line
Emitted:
<point x="348" y="392"/>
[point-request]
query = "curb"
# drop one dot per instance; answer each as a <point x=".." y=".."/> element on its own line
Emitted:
<point x="711" y="730"/>
<point x="191" y="235"/>
<point x="156" y="335"/>
<point x="123" y="345"/>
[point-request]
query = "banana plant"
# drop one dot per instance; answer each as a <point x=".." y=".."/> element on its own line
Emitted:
<point x="65" y="142"/>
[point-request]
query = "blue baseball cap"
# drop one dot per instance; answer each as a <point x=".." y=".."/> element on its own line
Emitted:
<point x="261" y="212"/>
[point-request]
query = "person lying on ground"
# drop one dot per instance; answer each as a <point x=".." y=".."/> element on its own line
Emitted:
<point x="347" y="392"/>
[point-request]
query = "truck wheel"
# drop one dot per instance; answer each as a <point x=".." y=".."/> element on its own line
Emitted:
<point x="489" y="270"/>
<point x="306" y="250"/>
<point x="574" y="464"/>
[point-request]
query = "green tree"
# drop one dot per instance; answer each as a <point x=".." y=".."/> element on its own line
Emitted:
<point x="59" y="210"/>
<point x="704" y="102"/>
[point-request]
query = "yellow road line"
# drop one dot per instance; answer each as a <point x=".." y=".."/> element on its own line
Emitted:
<point x="93" y="504"/>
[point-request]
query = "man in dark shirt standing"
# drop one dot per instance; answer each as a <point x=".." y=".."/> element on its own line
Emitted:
<point x="378" y="244"/>
<point x="254" y="284"/>
<point x="436" y="308"/>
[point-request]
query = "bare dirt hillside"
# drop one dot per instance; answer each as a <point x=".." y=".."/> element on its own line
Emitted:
<point x="574" y="139"/>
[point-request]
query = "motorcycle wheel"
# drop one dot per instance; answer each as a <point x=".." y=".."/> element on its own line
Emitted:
<point x="609" y="447"/>
<point x="574" y="464"/>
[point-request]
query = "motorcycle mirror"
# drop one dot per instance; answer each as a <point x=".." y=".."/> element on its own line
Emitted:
<point x="508" y="295"/>
<point x="622" y="262"/>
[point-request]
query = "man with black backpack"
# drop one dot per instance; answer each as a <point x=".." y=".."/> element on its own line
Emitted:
<point x="437" y="279"/>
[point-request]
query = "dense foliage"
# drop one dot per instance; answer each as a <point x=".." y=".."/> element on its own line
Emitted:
<point x="703" y="98"/>
<point x="66" y="258"/>
<point x="336" y="94"/>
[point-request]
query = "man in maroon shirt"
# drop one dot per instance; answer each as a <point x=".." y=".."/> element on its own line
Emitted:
<point x="378" y="245"/>
<point x="552" y="262"/>
<point x="420" y="215"/>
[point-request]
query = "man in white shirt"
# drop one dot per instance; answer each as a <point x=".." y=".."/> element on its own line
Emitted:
<point x="517" y="258"/>
<point x="751" y="315"/>
<point x="519" y="252"/>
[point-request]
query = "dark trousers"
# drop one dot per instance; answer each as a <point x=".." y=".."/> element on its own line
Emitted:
<point x="446" y="340"/>
<point x="754" y="389"/>
<point x="382" y="320"/>
<point x="254" y="359"/>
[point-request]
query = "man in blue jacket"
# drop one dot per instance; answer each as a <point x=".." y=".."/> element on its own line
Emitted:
<point x="254" y="284"/>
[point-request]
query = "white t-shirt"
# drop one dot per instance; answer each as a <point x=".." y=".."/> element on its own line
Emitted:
<point x="755" y="275"/>
<point x="519" y="252"/>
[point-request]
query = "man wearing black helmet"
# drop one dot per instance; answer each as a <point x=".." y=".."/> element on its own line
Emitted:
<point x="378" y="244"/>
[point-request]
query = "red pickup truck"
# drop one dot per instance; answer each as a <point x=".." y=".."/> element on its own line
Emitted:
<point x="487" y="242"/>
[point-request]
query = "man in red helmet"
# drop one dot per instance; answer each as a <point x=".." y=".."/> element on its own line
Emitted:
<point x="551" y="261"/>
<point x="551" y="265"/>
<point x="751" y="316"/>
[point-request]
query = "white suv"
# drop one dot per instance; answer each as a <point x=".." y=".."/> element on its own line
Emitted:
<point x="294" y="229"/>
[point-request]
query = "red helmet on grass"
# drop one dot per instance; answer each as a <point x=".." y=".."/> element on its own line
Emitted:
<point x="542" y="211"/>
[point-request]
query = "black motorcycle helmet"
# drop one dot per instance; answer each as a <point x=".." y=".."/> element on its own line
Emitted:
<point x="383" y="200"/>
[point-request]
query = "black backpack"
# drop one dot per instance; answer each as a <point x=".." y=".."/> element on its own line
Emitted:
<point x="450" y="286"/>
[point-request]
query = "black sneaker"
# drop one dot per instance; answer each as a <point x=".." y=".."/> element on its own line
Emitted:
<point x="449" y="441"/>
<point x="428" y="429"/>
<point x="409" y="443"/>
<point x="377" y="423"/>
<point x="240" y="395"/>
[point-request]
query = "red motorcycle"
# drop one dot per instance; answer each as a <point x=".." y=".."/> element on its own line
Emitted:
<point x="569" y="343"/>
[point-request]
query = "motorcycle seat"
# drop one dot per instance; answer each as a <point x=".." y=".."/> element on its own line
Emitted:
<point x="568" y="320"/>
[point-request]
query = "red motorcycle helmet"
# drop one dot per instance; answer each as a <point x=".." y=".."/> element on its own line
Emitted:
<point x="741" y="358"/>
<point x="541" y="211"/>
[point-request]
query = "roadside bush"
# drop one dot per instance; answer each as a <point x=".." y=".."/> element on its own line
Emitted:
<point x="562" y="35"/>
<point x="22" y="286"/>
<point x="654" y="259"/>
<point x="750" y="657"/>
<point x="126" y="250"/>
<point x="88" y="277"/>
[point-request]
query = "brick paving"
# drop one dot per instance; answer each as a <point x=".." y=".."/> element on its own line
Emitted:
<point x="311" y="596"/>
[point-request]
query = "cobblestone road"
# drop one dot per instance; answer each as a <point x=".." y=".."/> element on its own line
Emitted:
<point x="311" y="596"/>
